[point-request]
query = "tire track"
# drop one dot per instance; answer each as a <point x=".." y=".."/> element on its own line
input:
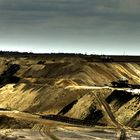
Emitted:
<point x="111" y="116"/>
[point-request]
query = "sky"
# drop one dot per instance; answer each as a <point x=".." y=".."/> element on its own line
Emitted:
<point x="71" y="26"/>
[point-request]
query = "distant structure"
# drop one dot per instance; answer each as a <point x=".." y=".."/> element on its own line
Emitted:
<point x="122" y="82"/>
<point x="105" y="58"/>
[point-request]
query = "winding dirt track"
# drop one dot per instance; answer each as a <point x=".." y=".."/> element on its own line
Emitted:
<point x="110" y="114"/>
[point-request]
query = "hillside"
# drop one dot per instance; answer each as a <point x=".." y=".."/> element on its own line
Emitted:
<point x="70" y="88"/>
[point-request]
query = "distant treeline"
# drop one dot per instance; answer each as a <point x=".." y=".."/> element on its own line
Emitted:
<point x="89" y="58"/>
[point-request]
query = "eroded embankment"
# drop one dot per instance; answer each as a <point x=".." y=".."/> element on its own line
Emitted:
<point x="81" y="73"/>
<point x="13" y="123"/>
<point x="41" y="89"/>
<point x="125" y="107"/>
<point x="80" y="104"/>
<point x="71" y="71"/>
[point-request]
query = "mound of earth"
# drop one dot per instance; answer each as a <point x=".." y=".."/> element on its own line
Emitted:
<point x="69" y="89"/>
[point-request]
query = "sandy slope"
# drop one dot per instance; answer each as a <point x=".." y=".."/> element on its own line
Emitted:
<point x="67" y="87"/>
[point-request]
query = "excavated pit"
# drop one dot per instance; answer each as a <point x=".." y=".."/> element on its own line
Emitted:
<point x="68" y="89"/>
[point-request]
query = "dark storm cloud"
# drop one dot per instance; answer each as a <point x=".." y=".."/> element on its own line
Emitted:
<point x="70" y="22"/>
<point x="41" y="9"/>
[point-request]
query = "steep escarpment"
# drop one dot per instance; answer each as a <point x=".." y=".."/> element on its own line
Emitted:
<point x="126" y="107"/>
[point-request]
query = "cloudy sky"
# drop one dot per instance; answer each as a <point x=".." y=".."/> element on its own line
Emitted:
<point x="79" y="26"/>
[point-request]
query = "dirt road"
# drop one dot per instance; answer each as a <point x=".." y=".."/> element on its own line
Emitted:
<point x="54" y="130"/>
<point x="107" y="108"/>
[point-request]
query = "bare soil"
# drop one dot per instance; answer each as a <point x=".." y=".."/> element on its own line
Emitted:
<point x="69" y="89"/>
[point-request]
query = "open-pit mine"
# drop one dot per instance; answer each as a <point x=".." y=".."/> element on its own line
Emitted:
<point x="69" y="97"/>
